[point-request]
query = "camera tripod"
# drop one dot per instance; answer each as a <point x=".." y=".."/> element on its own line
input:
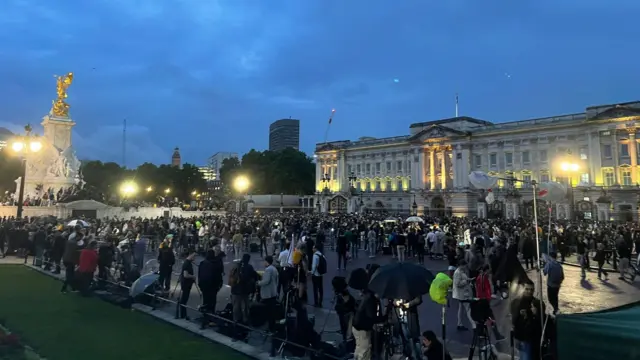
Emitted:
<point x="482" y="341"/>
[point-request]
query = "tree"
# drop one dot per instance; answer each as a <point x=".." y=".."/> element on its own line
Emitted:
<point x="151" y="180"/>
<point x="10" y="170"/>
<point x="288" y="171"/>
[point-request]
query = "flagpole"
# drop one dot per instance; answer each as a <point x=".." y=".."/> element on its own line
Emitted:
<point x="457" y="105"/>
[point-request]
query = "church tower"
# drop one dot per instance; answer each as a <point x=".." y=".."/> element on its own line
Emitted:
<point x="176" y="160"/>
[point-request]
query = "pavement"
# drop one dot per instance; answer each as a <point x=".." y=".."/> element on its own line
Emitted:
<point x="576" y="295"/>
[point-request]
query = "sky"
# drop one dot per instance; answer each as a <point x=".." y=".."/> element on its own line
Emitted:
<point x="211" y="75"/>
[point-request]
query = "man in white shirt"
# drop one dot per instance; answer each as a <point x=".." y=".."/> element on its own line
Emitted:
<point x="317" y="277"/>
<point x="285" y="264"/>
<point x="431" y="240"/>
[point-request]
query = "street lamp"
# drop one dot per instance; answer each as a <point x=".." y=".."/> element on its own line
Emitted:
<point x="25" y="145"/>
<point x="167" y="191"/>
<point x="240" y="184"/>
<point x="128" y="189"/>
<point x="149" y="189"/>
<point x="414" y="206"/>
<point x="570" y="168"/>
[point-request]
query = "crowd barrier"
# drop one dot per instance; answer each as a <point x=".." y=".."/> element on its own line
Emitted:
<point x="158" y="302"/>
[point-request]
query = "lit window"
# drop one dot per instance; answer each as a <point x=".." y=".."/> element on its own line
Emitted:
<point x="626" y="177"/>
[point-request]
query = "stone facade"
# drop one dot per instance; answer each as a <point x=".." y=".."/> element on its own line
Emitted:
<point x="596" y="152"/>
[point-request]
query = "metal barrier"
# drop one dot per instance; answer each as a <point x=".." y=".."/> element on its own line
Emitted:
<point x="206" y="317"/>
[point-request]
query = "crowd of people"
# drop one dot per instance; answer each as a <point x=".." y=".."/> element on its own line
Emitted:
<point x="483" y="258"/>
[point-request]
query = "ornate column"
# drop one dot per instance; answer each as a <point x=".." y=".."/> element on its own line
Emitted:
<point x="443" y="169"/>
<point x="421" y="169"/>
<point x="432" y="169"/>
<point x="342" y="172"/>
<point x="319" y="174"/>
<point x="633" y="154"/>
<point x="455" y="166"/>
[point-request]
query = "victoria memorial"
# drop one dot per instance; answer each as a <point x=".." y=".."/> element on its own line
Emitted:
<point x="595" y="153"/>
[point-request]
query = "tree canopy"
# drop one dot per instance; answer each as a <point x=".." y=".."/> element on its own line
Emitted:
<point x="149" y="180"/>
<point x="272" y="172"/>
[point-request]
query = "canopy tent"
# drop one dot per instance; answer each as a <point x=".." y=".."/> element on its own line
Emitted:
<point x="606" y="334"/>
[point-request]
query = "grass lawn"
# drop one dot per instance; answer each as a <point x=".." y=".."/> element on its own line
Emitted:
<point x="69" y="327"/>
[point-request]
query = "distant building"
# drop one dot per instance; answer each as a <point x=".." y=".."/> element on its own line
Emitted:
<point x="5" y="137"/>
<point x="284" y="134"/>
<point x="215" y="162"/>
<point x="176" y="159"/>
<point x="207" y="173"/>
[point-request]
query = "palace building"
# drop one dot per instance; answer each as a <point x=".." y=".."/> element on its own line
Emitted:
<point x="427" y="171"/>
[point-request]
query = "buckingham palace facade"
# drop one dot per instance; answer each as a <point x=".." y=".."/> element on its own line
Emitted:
<point x="426" y="172"/>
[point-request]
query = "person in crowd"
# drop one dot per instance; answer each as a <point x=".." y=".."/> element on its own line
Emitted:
<point x="57" y="249"/>
<point x="318" y="269"/>
<point x="87" y="264"/>
<point x="166" y="260"/>
<point x="342" y="246"/>
<point x="433" y="348"/>
<point x="242" y="279"/>
<point x="269" y="291"/>
<point x="624" y="258"/>
<point x="237" y="242"/>
<point x="208" y="281"/>
<point x="187" y="279"/>
<point x="40" y="244"/>
<point x="600" y="259"/>
<point x="401" y="245"/>
<point x="70" y="259"/>
<point x="352" y="241"/>
<point x="526" y="313"/>
<point x="555" y="276"/>
<point x="366" y="316"/>
<point x="372" y="240"/>
<point x="345" y="306"/>
<point x="463" y="293"/>
<point x="285" y="269"/>
<point x="105" y="259"/>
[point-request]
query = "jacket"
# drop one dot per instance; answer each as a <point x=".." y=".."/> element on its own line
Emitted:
<point x="71" y="253"/>
<point x="554" y="272"/>
<point x="461" y="286"/>
<point x="367" y="313"/>
<point x="269" y="283"/>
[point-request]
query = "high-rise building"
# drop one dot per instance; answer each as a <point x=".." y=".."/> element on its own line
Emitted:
<point x="215" y="162"/>
<point x="207" y="173"/>
<point x="176" y="159"/>
<point x="284" y="133"/>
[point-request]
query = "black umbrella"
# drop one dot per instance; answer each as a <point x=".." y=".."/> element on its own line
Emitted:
<point x="402" y="281"/>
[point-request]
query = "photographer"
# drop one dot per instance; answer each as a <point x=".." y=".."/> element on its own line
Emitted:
<point x="242" y="279"/>
<point x="345" y="306"/>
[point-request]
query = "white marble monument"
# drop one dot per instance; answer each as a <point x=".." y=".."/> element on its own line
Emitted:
<point x="55" y="166"/>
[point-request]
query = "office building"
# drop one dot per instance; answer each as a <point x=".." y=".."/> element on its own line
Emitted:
<point x="215" y="162"/>
<point x="594" y="153"/>
<point x="284" y="134"/>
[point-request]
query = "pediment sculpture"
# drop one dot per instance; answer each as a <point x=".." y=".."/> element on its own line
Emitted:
<point x="436" y="133"/>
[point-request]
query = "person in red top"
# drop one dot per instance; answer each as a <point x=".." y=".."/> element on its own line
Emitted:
<point x="483" y="300"/>
<point x="87" y="267"/>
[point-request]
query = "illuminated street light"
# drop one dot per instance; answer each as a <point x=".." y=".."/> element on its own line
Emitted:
<point x="149" y="189"/>
<point x="25" y="145"/>
<point x="241" y="184"/>
<point x="567" y="166"/>
<point x="167" y="191"/>
<point x="129" y="188"/>
<point x="194" y="193"/>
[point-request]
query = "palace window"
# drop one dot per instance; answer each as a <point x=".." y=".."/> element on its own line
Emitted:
<point x="543" y="155"/>
<point x="526" y="157"/>
<point x="399" y="166"/>
<point x="508" y="158"/>
<point x="477" y="161"/>
<point x="606" y="151"/>
<point x="626" y="176"/>
<point x="400" y="185"/>
<point x="368" y="168"/>
<point x="388" y="166"/>
<point x="544" y="177"/>
<point x="493" y="160"/>
<point x="350" y="169"/>
<point x="624" y="150"/>
<point x="584" y="153"/>
<point x="388" y="185"/>
<point x="609" y="179"/>
<point x="526" y="180"/>
<point x="584" y="178"/>
<point x="358" y="169"/>
<point x="408" y="166"/>
<point x="377" y="168"/>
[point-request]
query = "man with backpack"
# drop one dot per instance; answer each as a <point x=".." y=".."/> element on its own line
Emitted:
<point x="242" y="279"/>
<point x="318" y="269"/>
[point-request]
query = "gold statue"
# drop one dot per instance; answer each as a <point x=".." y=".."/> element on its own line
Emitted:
<point x="60" y="107"/>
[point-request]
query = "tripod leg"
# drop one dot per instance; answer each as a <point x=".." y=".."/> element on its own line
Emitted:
<point x="474" y="342"/>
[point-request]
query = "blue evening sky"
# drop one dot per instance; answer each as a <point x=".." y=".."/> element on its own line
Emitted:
<point x="210" y="75"/>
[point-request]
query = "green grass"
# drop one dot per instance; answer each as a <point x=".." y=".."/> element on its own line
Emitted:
<point x="69" y="327"/>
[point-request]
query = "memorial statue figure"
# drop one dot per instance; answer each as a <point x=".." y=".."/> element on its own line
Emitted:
<point x="60" y="107"/>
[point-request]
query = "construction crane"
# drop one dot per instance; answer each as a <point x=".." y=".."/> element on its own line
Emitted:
<point x="326" y="133"/>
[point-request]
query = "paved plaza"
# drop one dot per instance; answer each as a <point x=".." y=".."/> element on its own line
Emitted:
<point x="576" y="295"/>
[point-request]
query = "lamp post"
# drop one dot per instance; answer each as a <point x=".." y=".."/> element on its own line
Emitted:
<point x="240" y="184"/>
<point x="414" y="206"/>
<point x="570" y="168"/>
<point x="128" y="189"/>
<point x="281" y="203"/>
<point x="25" y="145"/>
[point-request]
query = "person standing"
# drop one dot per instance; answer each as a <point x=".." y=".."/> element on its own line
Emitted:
<point x="463" y="293"/>
<point x="318" y="269"/>
<point x="87" y="265"/>
<point x="371" y="237"/>
<point x="401" y="245"/>
<point x="269" y="291"/>
<point x="70" y="259"/>
<point x="166" y="260"/>
<point x="207" y="282"/>
<point x="341" y="249"/>
<point x="187" y="279"/>
<point x="555" y="276"/>
<point x="600" y="258"/>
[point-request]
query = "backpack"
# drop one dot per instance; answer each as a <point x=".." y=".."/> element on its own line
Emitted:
<point x="322" y="265"/>
<point x="234" y="276"/>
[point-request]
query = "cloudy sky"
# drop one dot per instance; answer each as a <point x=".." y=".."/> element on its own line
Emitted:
<point x="210" y="75"/>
